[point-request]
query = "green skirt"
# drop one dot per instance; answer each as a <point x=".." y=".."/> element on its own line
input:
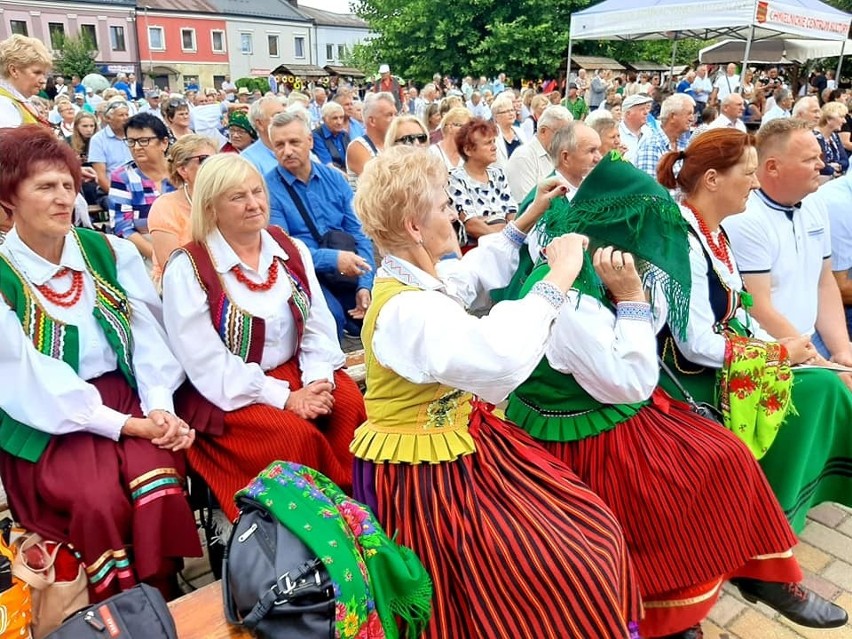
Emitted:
<point x="810" y="461"/>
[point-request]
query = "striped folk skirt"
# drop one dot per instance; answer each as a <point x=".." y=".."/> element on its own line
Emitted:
<point x="259" y="434"/>
<point x="695" y="508"/>
<point x="516" y="545"/>
<point x="105" y="498"/>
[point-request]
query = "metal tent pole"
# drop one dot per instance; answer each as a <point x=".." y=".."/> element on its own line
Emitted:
<point x="671" y="69"/>
<point x="840" y="63"/>
<point x="746" y="55"/>
<point x="568" y="64"/>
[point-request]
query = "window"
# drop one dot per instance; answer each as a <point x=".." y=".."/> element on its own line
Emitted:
<point x="341" y="52"/>
<point x="299" y="43"/>
<point x="190" y="80"/>
<point x="90" y="32"/>
<point x="116" y="39"/>
<point x="273" y="45"/>
<point x="187" y="39"/>
<point x="218" y="80"/>
<point x="218" y="41"/>
<point x="19" y="27"/>
<point x="245" y="43"/>
<point x="329" y="52"/>
<point x="57" y="33"/>
<point x="156" y="38"/>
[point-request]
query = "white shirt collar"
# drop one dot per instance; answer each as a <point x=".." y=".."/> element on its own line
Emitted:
<point x="408" y="274"/>
<point x="17" y="94"/>
<point x="224" y="257"/>
<point x="34" y="267"/>
<point x="540" y="151"/>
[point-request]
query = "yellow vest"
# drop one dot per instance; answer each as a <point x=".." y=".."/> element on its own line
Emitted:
<point x="27" y="116"/>
<point x="407" y="422"/>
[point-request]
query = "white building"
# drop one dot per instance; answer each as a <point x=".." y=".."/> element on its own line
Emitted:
<point x="336" y="34"/>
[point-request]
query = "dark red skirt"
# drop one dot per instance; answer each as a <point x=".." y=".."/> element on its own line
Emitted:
<point x="259" y="434"/>
<point x="517" y="546"/>
<point x="693" y="501"/>
<point x="121" y="505"/>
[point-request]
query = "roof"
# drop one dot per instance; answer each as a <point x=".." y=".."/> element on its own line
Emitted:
<point x="350" y="72"/>
<point x="596" y="62"/>
<point x="184" y="6"/>
<point x="301" y="70"/>
<point x="277" y="9"/>
<point x="331" y="19"/>
<point x="647" y="66"/>
<point x="119" y="3"/>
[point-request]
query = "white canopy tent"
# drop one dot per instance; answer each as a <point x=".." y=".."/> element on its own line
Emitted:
<point x="749" y="20"/>
<point x="773" y="51"/>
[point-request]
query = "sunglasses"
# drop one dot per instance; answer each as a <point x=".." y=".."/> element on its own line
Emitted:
<point x="178" y="102"/>
<point x="143" y="142"/>
<point x="409" y="140"/>
<point x="200" y="159"/>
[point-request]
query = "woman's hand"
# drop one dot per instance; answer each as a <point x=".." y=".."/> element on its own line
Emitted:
<point x="161" y="429"/>
<point x="565" y="257"/>
<point x="618" y="272"/>
<point x="545" y="193"/>
<point x="312" y="401"/>
<point x="800" y="350"/>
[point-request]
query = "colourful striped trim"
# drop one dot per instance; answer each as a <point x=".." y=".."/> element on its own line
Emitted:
<point x="110" y="565"/>
<point x="300" y="296"/>
<point x="154" y="485"/>
<point x="151" y="474"/>
<point x="235" y="327"/>
<point x="167" y="492"/>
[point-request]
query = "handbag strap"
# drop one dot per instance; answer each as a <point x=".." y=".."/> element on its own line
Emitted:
<point x="300" y="205"/>
<point x="686" y="394"/>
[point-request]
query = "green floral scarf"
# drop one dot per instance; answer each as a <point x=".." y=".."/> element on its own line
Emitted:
<point x="375" y="581"/>
<point x="754" y="390"/>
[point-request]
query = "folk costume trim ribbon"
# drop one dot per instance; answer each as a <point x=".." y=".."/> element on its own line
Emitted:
<point x="755" y="387"/>
<point x="375" y="581"/>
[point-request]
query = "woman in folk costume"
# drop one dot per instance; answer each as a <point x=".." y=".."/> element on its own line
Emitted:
<point x="516" y="545"/>
<point x="24" y="63"/>
<point x="244" y="312"/>
<point x="725" y="356"/>
<point x="90" y="447"/>
<point x="695" y="506"/>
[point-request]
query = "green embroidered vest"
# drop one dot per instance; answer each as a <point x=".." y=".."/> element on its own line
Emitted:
<point x="61" y="341"/>
<point x="552" y="406"/>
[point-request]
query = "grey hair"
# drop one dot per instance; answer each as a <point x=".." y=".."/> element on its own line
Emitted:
<point x="286" y="118"/>
<point x="256" y="109"/>
<point x="802" y="104"/>
<point x="603" y="122"/>
<point x="372" y="100"/>
<point x="674" y="103"/>
<point x="565" y="139"/>
<point x="331" y="108"/>
<point x="554" y="115"/>
<point x="728" y="99"/>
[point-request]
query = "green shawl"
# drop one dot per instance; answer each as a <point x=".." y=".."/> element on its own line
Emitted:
<point x="374" y="580"/>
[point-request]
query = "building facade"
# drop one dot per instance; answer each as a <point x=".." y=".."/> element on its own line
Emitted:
<point x="336" y="34"/>
<point x="109" y="24"/>
<point x="182" y="43"/>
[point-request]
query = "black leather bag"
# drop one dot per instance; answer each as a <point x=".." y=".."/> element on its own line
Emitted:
<point x="272" y="583"/>
<point x="138" y="613"/>
<point x="707" y="411"/>
<point x="335" y="240"/>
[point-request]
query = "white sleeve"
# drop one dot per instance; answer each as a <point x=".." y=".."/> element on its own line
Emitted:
<point x="320" y="353"/>
<point x="488" y="266"/>
<point x="522" y="176"/>
<point x="222" y="377"/>
<point x="750" y="243"/>
<point x="613" y="359"/>
<point x="158" y="373"/>
<point x="703" y="345"/>
<point x="427" y="337"/>
<point x="10" y="117"/>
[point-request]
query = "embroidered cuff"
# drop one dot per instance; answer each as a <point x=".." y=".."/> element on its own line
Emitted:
<point x="550" y="292"/>
<point x="514" y="234"/>
<point x="640" y="311"/>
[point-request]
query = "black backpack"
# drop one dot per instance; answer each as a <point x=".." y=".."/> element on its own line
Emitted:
<point x="272" y="583"/>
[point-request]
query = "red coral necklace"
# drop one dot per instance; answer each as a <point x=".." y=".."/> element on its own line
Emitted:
<point x="720" y="248"/>
<point x="253" y="286"/>
<point x="70" y="297"/>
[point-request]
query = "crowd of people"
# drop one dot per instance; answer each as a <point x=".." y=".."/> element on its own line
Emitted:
<point x="655" y="293"/>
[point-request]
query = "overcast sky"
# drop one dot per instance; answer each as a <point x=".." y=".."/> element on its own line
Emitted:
<point x="339" y="6"/>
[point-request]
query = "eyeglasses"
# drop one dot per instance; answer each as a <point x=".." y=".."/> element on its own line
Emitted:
<point x="454" y="125"/>
<point x="409" y="140"/>
<point x="143" y="142"/>
<point x="503" y="112"/>
<point x="178" y="102"/>
<point x="200" y="159"/>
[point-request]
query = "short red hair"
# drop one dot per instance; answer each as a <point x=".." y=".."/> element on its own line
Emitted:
<point x="475" y="126"/>
<point x="719" y="149"/>
<point x="25" y="148"/>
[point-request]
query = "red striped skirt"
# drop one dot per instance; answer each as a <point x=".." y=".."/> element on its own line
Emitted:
<point x="516" y="545"/>
<point x="694" y="503"/>
<point x="259" y="434"/>
<point x="104" y="497"/>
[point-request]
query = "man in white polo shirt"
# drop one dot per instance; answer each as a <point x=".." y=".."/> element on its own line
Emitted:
<point x="782" y="243"/>
<point x="634" y="118"/>
<point x="531" y="163"/>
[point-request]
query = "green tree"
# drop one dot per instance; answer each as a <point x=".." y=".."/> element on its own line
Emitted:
<point x="76" y="57"/>
<point x="420" y="37"/>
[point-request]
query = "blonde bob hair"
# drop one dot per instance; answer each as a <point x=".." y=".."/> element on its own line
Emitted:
<point x="457" y="115"/>
<point x="396" y="186"/>
<point x="390" y="136"/>
<point x="182" y="151"/>
<point x="218" y="175"/>
<point x="832" y="110"/>
<point x="22" y="52"/>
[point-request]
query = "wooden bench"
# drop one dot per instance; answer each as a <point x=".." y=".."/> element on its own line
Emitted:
<point x="200" y="615"/>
